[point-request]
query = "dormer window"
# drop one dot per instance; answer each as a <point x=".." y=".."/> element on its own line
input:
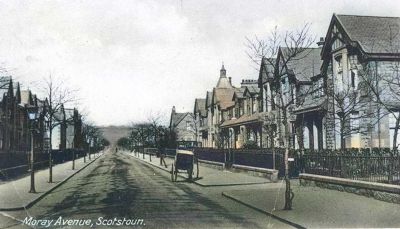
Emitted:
<point x="353" y="61"/>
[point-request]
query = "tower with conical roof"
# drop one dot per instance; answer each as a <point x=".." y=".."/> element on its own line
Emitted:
<point x="223" y="81"/>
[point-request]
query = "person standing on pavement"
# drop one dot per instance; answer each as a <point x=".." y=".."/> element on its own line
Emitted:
<point x="162" y="160"/>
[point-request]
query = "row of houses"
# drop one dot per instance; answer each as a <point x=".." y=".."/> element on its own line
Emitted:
<point x="16" y="129"/>
<point x="324" y="94"/>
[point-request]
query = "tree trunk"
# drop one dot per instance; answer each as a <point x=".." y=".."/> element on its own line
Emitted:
<point x="342" y="135"/>
<point x="396" y="130"/>
<point x="288" y="193"/>
<point x="50" y="156"/>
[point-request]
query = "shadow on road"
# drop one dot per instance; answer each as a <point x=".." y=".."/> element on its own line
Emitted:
<point x="121" y="187"/>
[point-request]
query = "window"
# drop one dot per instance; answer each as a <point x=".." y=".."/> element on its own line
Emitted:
<point x="254" y="105"/>
<point x="188" y="125"/>
<point x="339" y="70"/>
<point x="353" y="61"/>
<point x="338" y="60"/>
<point x="353" y="79"/>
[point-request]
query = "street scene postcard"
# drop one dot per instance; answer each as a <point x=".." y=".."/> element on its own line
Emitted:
<point x="199" y="114"/>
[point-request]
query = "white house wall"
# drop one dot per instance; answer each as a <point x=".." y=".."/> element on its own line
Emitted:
<point x="56" y="138"/>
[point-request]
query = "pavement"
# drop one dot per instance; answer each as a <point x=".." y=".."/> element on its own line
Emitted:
<point x="14" y="194"/>
<point x="313" y="207"/>
<point x="208" y="177"/>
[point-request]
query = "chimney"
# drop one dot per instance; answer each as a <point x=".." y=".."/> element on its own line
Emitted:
<point x="321" y="42"/>
<point x="230" y="80"/>
<point x="173" y="109"/>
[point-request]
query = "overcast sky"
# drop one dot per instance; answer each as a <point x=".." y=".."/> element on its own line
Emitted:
<point x="131" y="59"/>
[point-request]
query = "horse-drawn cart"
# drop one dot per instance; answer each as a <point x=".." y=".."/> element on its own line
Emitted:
<point x="185" y="161"/>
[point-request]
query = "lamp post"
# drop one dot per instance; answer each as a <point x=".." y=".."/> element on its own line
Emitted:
<point x="32" y="115"/>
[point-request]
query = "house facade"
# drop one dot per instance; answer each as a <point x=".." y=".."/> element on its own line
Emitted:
<point x="183" y="127"/>
<point x="360" y="57"/>
<point x="344" y="93"/>
<point x="15" y="127"/>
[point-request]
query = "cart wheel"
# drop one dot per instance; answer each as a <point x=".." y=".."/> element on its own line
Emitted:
<point x="190" y="174"/>
<point x="172" y="173"/>
<point x="197" y="169"/>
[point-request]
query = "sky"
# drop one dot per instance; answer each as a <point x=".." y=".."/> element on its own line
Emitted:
<point x="130" y="60"/>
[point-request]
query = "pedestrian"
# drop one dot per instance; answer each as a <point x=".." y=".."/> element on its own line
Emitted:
<point x="162" y="160"/>
<point x="116" y="149"/>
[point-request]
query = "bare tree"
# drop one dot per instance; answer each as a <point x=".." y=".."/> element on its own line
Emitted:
<point x="58" y="95"/>
<point x="381" y="81"/>
<point x="346" y="110"/>
<point x="90" y="133"/>
<point x="296" y="46"/>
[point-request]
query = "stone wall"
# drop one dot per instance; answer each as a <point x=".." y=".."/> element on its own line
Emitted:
<point x="379" y="191"/>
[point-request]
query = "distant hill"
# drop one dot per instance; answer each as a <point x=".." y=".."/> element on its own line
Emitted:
<point x="113" y="133"/>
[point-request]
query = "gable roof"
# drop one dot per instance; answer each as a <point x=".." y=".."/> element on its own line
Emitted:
<point x="304" y="65"/>
<point x="252" y="90"/>
<point x="209" y="98"/>
<point x="266" y="70"/>
<point x="239" y="93"/>
<point x="176" y="118"/>
<point x="200" y="107"/>
<point x="223" y="97"/>
<point x="374" y="34"/>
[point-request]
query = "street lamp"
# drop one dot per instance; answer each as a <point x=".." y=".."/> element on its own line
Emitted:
<point x="32" y="116"/>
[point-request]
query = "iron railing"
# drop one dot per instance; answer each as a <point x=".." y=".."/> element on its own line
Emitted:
<point x="372" y="168"/>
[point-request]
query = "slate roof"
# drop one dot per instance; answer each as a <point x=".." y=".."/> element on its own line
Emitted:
<point x="200" y="106"/>
<point x="253" y="90"/>
<point x="239" y="92"/>
<point x="223" y="96"/>
<point x="266" y="71"/>
<point x="209" y="98"/>
<point x="244" y="119"/>
<point x="223" y="82"/>
<point x="176" y="118"/>
<point x="305" y="65"/>
<point x="374" y="34"/>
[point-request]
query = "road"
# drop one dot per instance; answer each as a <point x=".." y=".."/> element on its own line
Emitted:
<point x="119" y="186"/>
